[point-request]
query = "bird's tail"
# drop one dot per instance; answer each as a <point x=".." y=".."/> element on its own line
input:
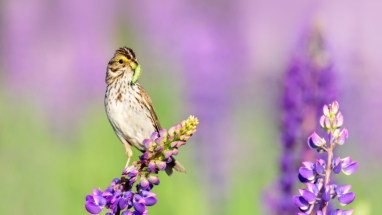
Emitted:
<point x="174" y="164"/>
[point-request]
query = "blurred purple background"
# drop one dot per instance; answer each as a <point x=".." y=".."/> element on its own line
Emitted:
<point x="223" y="61"/>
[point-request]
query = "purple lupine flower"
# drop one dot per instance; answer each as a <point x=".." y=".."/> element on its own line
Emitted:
<point x="308" y="85"/>
<point x="95" y="203"/>
<point x="315" y="172"/>
<point x="120" y="196"/>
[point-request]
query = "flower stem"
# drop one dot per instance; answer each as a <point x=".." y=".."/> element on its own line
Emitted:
<point x="327" y="177"/>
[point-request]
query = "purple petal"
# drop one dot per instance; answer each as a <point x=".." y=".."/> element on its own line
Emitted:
<point x="319" y="212"/>
<point x="146" y="155"/>
<point x="151" y="166"/>
<point x="147" y="143"/>
<point x="144" y="182"/>
<point x="337" y="212"/>
<point x="108" y="192"/>
<point x="302" y="179"/>
<point x="108" y="199"/>
<point x="160" y="149"/>
<point x="154" y="135"/>
<point x="300" y="202"/>
<point x="326" y="195"/>
<point x="351" y="168"/>
<point x="333" y="191"/>
<point x="346" y="161"/>
<point x="151" y="201"/>
<point x="177" y="128"/>
<point x="309" y="165"/>
<point x="173" y="144"/>
<point x="175" y="152"/>
<point x="334" y="107"/>
<point x="148" y="194"/>
<point x="159" y="140"/>
<point x="319" y="182"/>
<point x="332" y="138"/>
<point x="326" y="110"/>
<point x="343" y="189"/>
<point x="312" y="188"/>
<point x="340" y="119"/>
<point x="99" y="200"/>
<point x="140" y="207"/>
<point x="133" y="172"/>
<point x="337" y="169"/>
<point x="170" y="138"/>
<point x="127" y="213"/>
<point x="180" y="143"/>
<point x="308" y="196"/>
<point x="114" y="207"/>
<point x="122" y="203"/>
<point x="327" y="123"/>
<point x="167" y="154"/>
<point x="89" y="198"/>
<point x="315" y="142"/>
<point x="319" y="168"/>
<point x="163" y="132"/>
<point x="128" y="195"/>
<point x="346" y="199"/>
<point x="127" y="170"/>
<point x="343" y="137"/>
<point x="114" y="182"/>
<point x="138" y="198"/>
<point x="308" y="210"/>
<point x="171" y="131"/>
<point x="97" y="192"/>
<point x="116" y="196"/>
<point x="347" y="212"/>
<point x="132" y="180"/>
<point x="307" y="173"/>
<point x="161" y="165"/>
<point x="92" y="208"/>
<point x="337" y="165"/>
<point x="322" y="121"/>
<point x="154" y="179"/>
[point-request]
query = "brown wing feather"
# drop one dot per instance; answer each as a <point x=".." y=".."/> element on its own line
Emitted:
<point x="149" y="105"/>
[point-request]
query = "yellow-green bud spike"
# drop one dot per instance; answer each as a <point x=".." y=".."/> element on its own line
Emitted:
<point x="137" y="72"/>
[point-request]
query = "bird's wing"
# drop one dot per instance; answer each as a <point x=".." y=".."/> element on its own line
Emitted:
<point x="149" y="105"/>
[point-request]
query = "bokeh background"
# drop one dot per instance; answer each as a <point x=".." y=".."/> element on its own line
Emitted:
<point x="225" y="61"/>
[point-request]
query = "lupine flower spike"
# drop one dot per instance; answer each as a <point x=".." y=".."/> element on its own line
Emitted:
<point x="133" y="189"/>
<point x="316" y="176"/>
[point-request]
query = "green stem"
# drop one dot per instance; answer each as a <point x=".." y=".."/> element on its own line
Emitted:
<point x="327" y="177"/>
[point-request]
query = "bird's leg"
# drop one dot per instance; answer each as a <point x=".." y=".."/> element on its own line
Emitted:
<point x="129" y="154"/>
<point x="128" y="161"/>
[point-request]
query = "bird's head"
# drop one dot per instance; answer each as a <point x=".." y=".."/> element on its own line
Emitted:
<point x="123" y="62"/>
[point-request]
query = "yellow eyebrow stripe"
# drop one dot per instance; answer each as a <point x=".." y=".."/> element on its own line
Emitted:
<point x="120" y="57"/>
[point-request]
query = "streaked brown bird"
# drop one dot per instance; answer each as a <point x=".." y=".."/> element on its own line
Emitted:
<point x="129" y="107"/>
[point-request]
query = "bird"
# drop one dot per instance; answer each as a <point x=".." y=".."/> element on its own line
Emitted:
<point x="129" y="107"/>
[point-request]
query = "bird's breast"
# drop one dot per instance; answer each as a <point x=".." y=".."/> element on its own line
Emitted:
<point x="128" y="117"/>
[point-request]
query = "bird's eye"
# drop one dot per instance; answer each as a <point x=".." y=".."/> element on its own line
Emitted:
<point x="120" y="61"/>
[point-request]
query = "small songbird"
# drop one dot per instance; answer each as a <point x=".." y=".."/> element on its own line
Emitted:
<point x="129" y="107"/>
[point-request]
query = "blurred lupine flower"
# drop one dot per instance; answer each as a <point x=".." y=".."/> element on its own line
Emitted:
<point x="308" y="85"/>
<point x="120" y="195"/>
<point x="312" y="173"/>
